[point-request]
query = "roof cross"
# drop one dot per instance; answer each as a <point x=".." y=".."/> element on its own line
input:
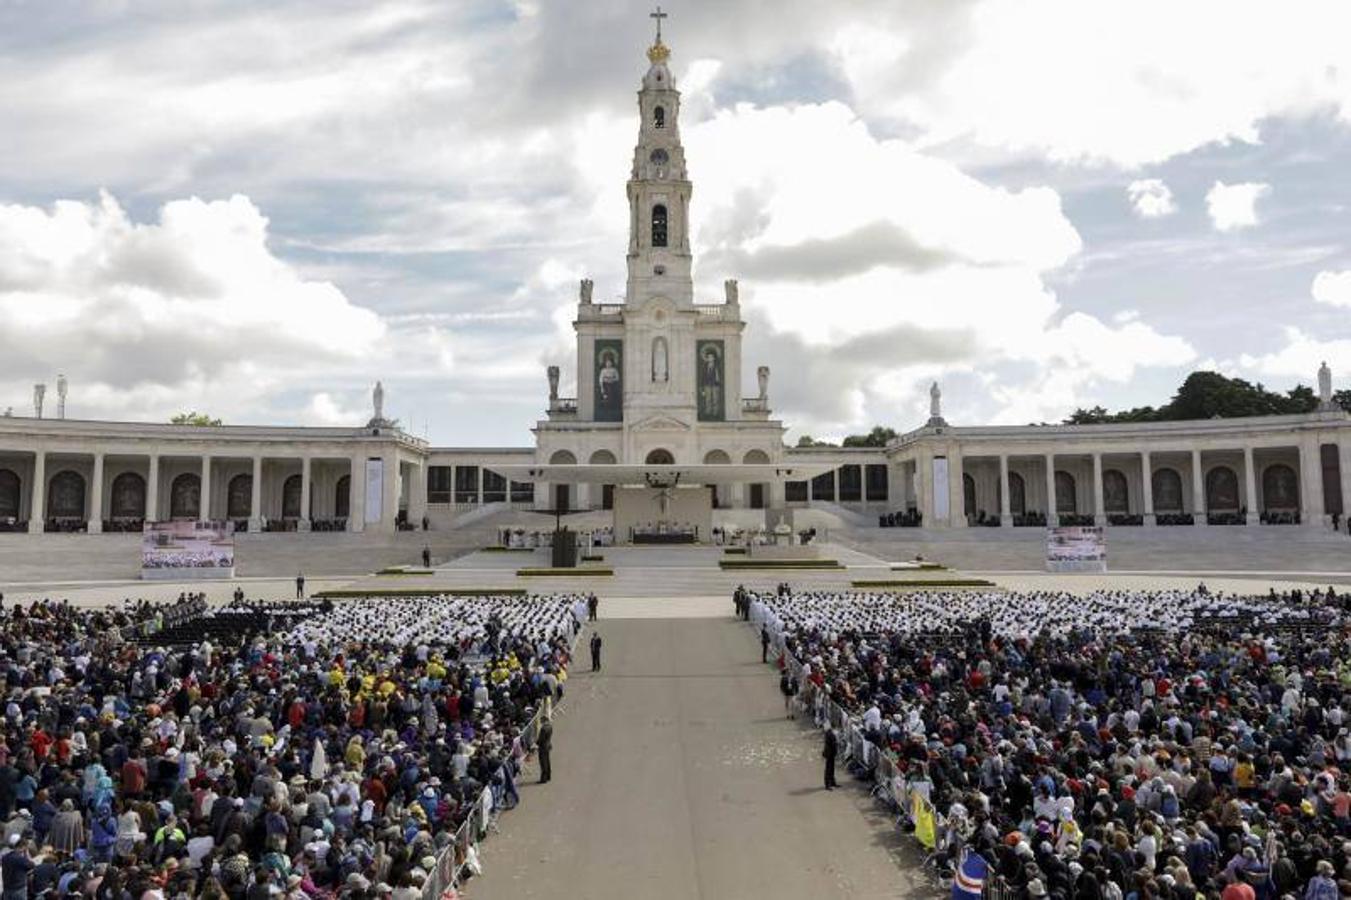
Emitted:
<point x="658" y="15"/>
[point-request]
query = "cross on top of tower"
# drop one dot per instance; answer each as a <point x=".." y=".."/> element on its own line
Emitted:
<point x="658" y="53"/>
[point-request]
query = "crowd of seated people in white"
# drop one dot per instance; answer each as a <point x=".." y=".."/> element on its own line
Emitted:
<point x="1019" y="614"/>
<point x="444" y="621"/>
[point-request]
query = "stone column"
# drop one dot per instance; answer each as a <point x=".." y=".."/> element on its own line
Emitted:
<point x="305" y="487"/>
<point x="1250" y="486"/>
<point x="1005" y="507"/>
<point x="389" y="499"/>
<point x="96" y="498"/>
<point x="37" y="495"/>
<point x="924" y="499"/>
<point x="204" y="507"/>
<point x="1198" y="490"/>
<point x="1147" y="486"/>
<point x="956" y="490"/>
<point x="417" y="495"/>
<point x="356" y="503"/>
<point x="152" y="489"/>
<point x="1345" y="463"/>
<point x="1311" y="476"/>
<point x="1099" y="509"/>
<point x="478" y="490"/>
<point x="1052" y="517"/>
<point x="777" y="495"/>
<point x="256" y="497"/>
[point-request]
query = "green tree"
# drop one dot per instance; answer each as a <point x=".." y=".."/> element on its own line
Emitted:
<point x="193" y="417"/>
<point x="1210" y="395"/>
<point x="808" y="441"/>
<point x="880" y="436"/>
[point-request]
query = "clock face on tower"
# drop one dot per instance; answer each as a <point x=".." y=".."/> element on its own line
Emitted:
<point x="659" y="157"/>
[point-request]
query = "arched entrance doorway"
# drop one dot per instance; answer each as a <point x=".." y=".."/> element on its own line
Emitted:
<point x="239" y="497"/>
<point x="717" y="458"/>
<point x="607" y="491"/>
<point x="1017" y="495"/>
<point x="342" y="498"/>
<point x="9" y="494"/>
<point x="759" y="492"/>
<point x="1066" y="500"/>
<point x="290" y="497"/>
<point x="1221" y="490"/>
<point x="1280" y="489"/>
<point x="185" y="496"/>
<point x="127" y="500"/>
<point x="65" y="496"/>
<point x="562" y="492"/>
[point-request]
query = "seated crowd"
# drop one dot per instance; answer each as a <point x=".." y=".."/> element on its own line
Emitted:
<point x="334" y="757"/>
<point x="1124" y="744"/>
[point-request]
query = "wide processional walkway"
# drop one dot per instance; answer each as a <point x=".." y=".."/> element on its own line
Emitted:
<point x="677" y="774"/>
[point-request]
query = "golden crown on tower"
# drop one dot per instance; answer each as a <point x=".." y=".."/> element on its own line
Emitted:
<point x="658" y="52"/>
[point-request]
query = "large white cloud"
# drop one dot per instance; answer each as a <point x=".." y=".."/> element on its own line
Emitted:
<point x="874" y="267"/>
<point x="191" y="310"/>
<point x="1299" y="357"/>
<point x="1129" y="82"/>
<point x="1234" y="206"/>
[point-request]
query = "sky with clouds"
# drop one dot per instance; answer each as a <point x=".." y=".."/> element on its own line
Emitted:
<point x="257" y="209"/>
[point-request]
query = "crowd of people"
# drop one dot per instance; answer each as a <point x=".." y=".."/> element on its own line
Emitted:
<point x="1118" y="746"/>
<point x="332" y="758"/>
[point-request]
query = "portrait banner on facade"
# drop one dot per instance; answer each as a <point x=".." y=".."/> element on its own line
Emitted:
<point x="609" y="380"/>
<point x="711" y="365"/>
<point x="1076" y="549"/>
<point x="375" y="489"/>
<point x="187" y="549"/>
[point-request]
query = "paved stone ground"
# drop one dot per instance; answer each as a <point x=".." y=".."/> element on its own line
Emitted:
<point x="676" y="775"/>
<point x="49" y="558"/>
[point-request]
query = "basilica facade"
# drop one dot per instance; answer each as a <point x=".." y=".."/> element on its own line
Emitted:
<point x="665" y="397"/>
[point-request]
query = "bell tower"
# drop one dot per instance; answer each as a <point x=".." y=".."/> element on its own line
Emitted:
<point x="659" y="260"/>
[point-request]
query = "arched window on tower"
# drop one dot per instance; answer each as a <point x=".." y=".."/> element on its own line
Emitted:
<point x="659" y="117"/>
<point x="659" y="226"/>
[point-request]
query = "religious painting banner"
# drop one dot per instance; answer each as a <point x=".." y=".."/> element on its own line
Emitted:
<point x="184" y="549"/>
<point x="711" y="364"/>
<point x="1076" y="549"/>
<point x="609" y="380"/>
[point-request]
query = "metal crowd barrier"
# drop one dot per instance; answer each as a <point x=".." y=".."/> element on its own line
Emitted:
<point x="889" y="785"/>
<point x="450" y="865"/>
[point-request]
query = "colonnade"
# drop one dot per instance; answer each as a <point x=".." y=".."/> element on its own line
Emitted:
<point x="1308" y="481"/>
<point x="66" y="489"/>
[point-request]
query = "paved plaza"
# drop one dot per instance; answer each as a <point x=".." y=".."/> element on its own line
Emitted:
<point x="676" y="775"/>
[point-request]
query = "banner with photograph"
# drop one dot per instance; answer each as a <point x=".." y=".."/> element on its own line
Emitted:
<point x="1076" y="549"/>
<point x="711" y="382"/>
<point x="608" y="400"/>
<point x="186" y="549"/>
